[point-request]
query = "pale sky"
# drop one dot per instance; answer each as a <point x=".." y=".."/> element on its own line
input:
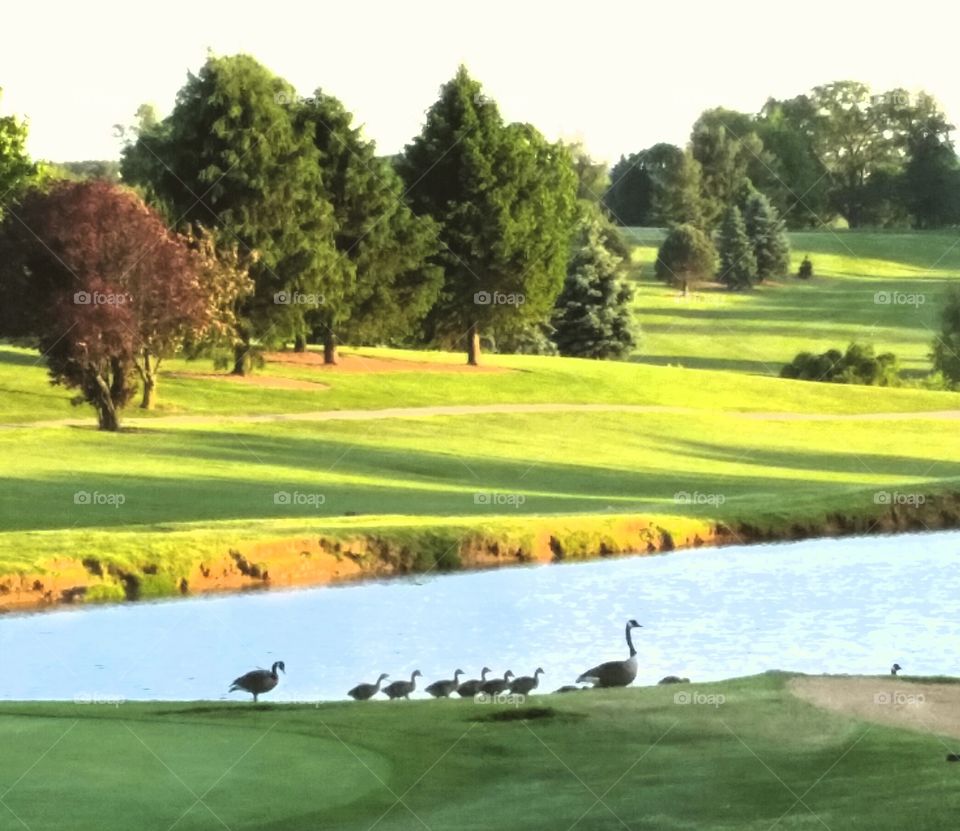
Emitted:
<point x="618" y="75"/>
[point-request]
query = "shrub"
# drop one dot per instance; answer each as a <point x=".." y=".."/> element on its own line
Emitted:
<point x="946" y="346"/>
<point x="805" y="272"/>
<point x="859" y="365"/>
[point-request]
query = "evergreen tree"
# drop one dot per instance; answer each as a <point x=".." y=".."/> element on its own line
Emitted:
<point x="738" y="265"/>
<point x="505" y="199"/>
<point x="16" y="169"/>
<point x="387" y="247"/>
<point x="592" y="318"/>
<point x="230" y="157"/>
<point x="768" y="236"/>
<point x="686" y="256"/>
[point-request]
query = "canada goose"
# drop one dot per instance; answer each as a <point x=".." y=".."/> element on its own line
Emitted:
<point x="895" y="669"/>
<point x="442" y="689"/>
<point x="258" y="681"/>
<point x="362" y="692"/>
<point x="674" y="679"/>
<point x="495" y="686"/>
<point x="615" y="673"/>
<point x="468" y="689"/>
<point x="569" y="688"/>
<point x="526" y="683"/>
<point x="402" y="689"/>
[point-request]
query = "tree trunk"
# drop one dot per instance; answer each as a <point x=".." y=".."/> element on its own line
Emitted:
<point x="148" y="375"/>
<point x="473" y="345"/>
<point x="330" y="347"/>
<point x="299" y="344"/>
<point x="106" y="411"/>
<point x="241" y="358"/>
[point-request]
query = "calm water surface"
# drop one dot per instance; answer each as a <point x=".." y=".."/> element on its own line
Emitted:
<point x="852" y="605"/>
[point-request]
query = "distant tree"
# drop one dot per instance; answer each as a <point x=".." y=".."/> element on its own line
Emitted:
<point x="738" y="263"/>
<point x="656" y="187"/>
<point x="728" y="149"/>
<point x="686" y="257"/>
<point x="107" y="169"/>
<point x="16" y="169"/>
<point x="387" y="249"/>
<point x="805" y="271"/>
<point x="768" y="237"/>
<point x="96" y="300"/>
<point x="946" y="346"/>
<point x="593" y="317"/>
<point x="858" y="365"/>
<point x="230" y="157"/>
<point x="505" y="199"/>
<point x="930" y="184"/>
<point x="593" y="177"/>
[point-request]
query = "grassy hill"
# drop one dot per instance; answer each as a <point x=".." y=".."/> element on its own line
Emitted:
<point x="742" y="754"/>
<point x="879" y="287"/>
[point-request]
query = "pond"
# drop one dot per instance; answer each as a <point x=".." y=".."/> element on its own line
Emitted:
<point x="853" y="605"/>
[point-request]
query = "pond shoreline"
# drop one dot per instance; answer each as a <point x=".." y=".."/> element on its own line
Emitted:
<point x="345" y="555"/>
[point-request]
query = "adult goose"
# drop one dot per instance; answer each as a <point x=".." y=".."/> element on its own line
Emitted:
<point x="895" y="669"/>
<point x="615" y="673"/>
<point x="495" y="686"/>
<point x="362" y="692"/>
<point x="443" y="689"/>
<point x="402" y="689"/>
<point x="525" y="684"/>
<point x="259" y="681"/>
<point x="468" y="689"/>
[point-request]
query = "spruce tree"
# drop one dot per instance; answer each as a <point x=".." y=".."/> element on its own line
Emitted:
<point x="768" y="236"/>
<point x="593" y="318"/>
<point x="738" y="264"/>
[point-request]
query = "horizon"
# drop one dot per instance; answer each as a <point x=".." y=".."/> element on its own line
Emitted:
<point x="540" y="69"/>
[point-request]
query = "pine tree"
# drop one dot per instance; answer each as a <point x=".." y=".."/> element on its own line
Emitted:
<point x="592" y="318"/>
<point x="387" y="247"/>
<point x="768" y="236"/>
<point x="505" y="199"/>
<point x="738" y="264"/>
<point x="686" y="257"/>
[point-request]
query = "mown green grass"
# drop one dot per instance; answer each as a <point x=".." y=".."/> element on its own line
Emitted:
<point x="761" y="330"/>
<point x="186" y="486"/>
<point x="757" y="759"/>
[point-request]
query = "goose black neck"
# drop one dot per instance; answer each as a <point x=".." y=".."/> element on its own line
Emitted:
<point x="630" y="642"/>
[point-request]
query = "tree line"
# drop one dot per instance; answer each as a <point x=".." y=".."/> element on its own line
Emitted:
<point x="839" y="151"/>
<point x="251" y="217"/>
